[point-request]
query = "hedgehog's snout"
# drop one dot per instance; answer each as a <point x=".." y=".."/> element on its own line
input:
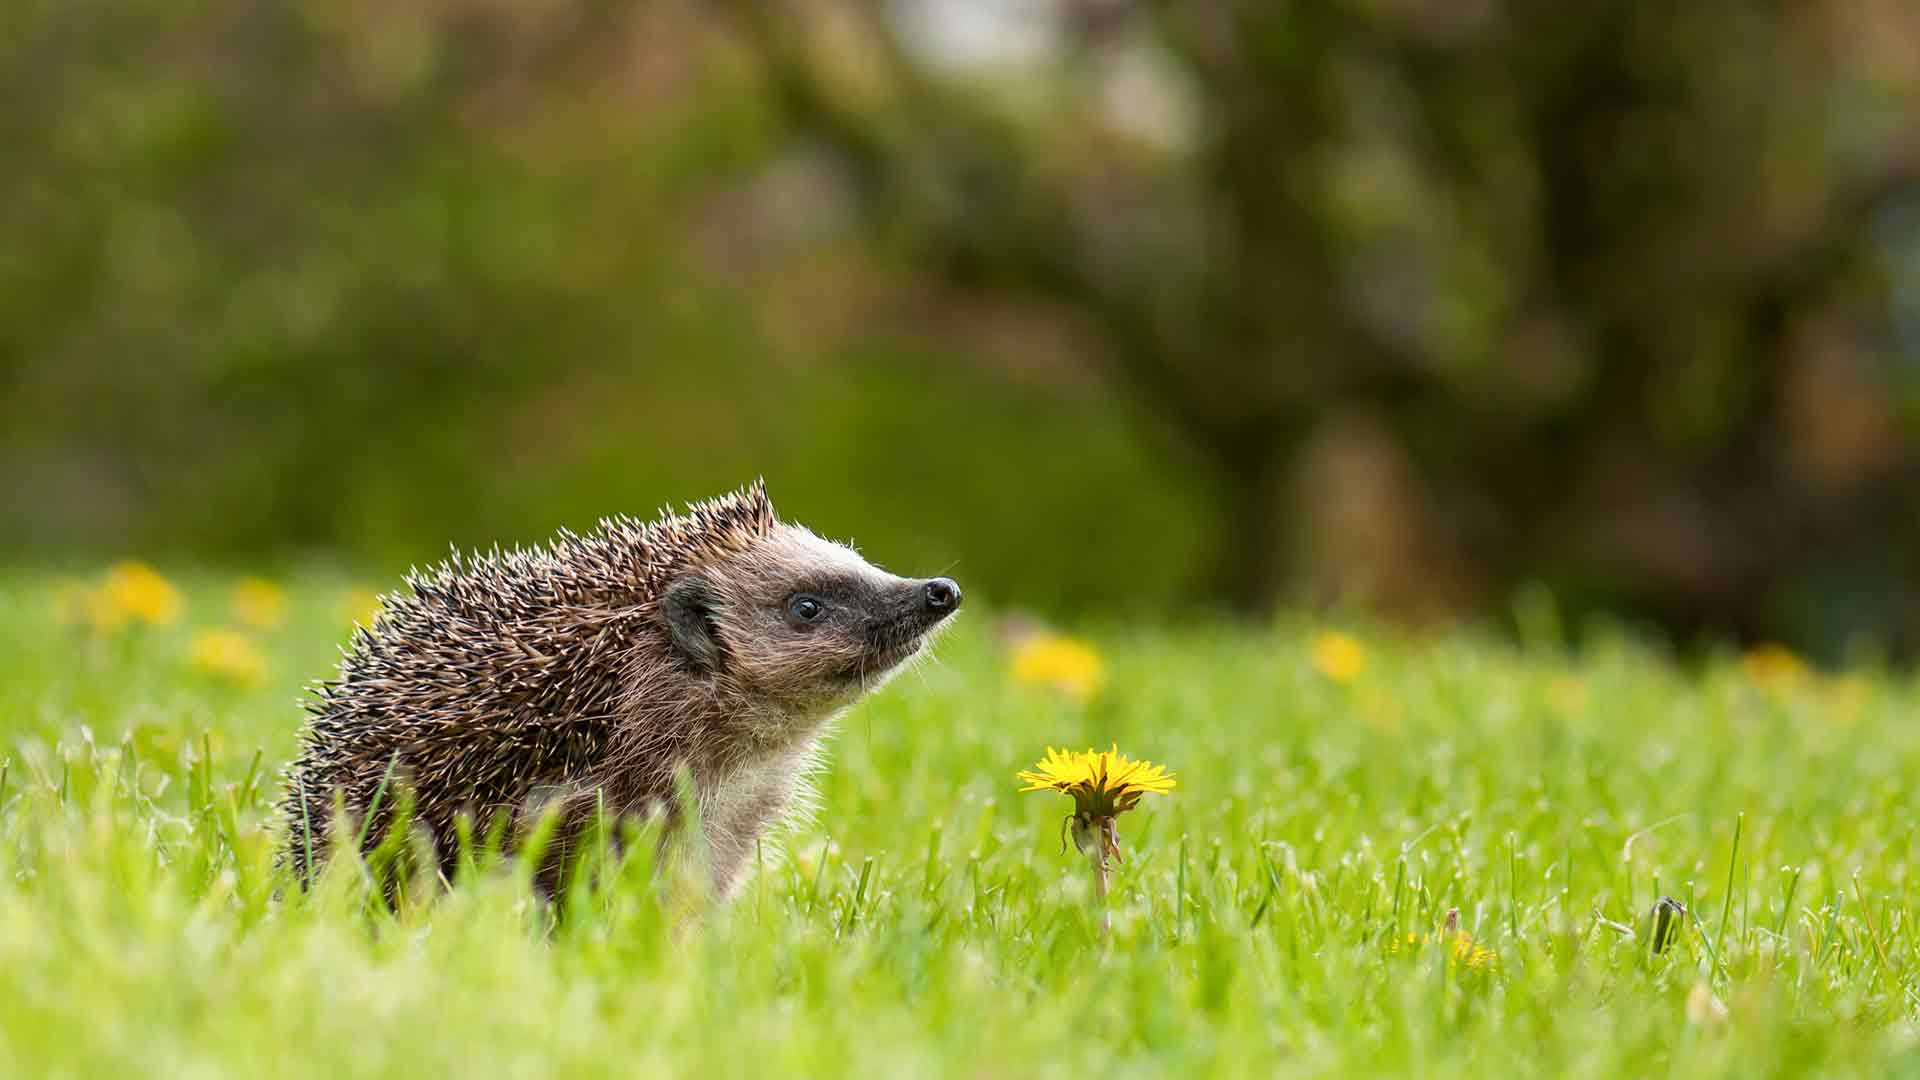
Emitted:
<point x="942" y="595"/>
<point x="913" y="608"/>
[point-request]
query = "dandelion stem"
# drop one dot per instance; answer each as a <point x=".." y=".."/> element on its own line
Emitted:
<point x="1094" y="837"/>
<point x="1100" y="871"/>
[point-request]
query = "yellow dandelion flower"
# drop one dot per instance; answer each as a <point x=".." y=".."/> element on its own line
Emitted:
<point x="1103" y="785"/>
<point x="228" y="655"/>
<point x="1462" y="948"/>
<point x="1773" y="666"/>
<point x="358" y="606"/>
<point x="258" y="603"/>
<point x="1102" y="782"/>
<point x="1066" y="664"/>
<point x="132" y="592"/>
<point x="1470" y="953"/>
<point x="1338" y="656"/>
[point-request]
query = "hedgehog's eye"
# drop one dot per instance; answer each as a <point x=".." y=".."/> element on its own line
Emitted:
<point x="806" y="608"/>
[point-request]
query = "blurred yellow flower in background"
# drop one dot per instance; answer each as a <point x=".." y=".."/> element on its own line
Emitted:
<point x="1066" y="664"/>
<point x="258" y="603"/>
<point x="358" y="606"/>
<point x="129" y="592"/>
<point x="228" y="655"/>
<point x="1773" y="666"/>
<point x="1338" y="656"/>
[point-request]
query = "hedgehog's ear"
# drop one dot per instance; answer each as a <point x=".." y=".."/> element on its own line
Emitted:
<point x="687" y="610"/>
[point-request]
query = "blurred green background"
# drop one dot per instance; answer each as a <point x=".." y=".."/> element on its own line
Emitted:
<point x="1104" y="307"/>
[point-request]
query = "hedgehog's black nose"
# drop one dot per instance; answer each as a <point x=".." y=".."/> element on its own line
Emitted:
<point x="943" y="594"/>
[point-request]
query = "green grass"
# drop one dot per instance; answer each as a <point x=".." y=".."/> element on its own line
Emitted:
<point x="928" y="923"/>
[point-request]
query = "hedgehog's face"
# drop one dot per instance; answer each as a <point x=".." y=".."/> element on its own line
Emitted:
<point x="803" y="622"/>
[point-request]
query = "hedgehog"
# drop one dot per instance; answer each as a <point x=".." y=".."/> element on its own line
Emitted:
<point x="602" y="672"/>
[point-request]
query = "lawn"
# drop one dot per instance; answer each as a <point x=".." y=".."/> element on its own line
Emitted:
<point x="1284" y="911"/>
